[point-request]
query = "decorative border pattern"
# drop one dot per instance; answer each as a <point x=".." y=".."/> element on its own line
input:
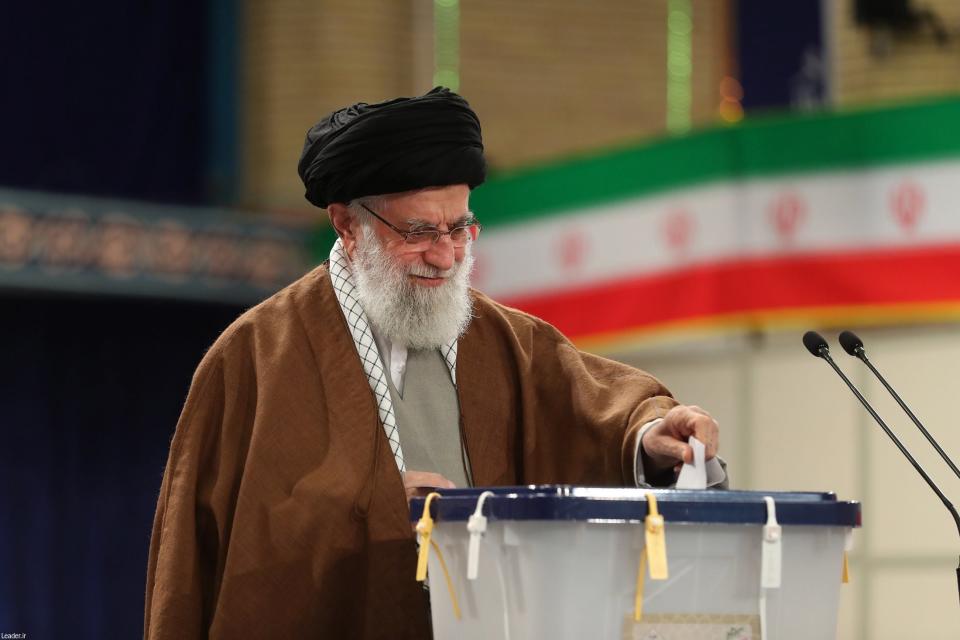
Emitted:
<point x="84" y="245"/>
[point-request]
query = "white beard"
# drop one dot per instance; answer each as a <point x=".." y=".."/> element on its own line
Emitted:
<point x="408" y="314"/>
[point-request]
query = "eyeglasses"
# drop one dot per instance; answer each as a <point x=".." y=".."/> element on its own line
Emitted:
<point x="460" y="234"/>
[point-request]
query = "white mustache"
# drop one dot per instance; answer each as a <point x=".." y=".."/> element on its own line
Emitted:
<point x="426" y="271"/>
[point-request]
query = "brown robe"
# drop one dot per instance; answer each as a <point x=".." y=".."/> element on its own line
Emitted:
<point x="282" y="513"/>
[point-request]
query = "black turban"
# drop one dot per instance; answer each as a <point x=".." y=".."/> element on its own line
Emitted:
<point x="399" y="145"/>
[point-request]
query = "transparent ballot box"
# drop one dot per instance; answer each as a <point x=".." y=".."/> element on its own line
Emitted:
<point x="575" y="562"/>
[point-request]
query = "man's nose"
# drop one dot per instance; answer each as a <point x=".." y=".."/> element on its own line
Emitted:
<point x="441" y="254"/>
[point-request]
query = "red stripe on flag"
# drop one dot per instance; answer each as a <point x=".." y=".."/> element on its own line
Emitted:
<point x="850" y="279"/>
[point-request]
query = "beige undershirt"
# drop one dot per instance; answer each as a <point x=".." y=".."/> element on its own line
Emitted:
<point x="426" y="409"/>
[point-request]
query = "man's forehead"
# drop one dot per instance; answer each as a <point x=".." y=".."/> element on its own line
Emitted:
<point x="434" y="204"/>
<point x="429" y="193"/>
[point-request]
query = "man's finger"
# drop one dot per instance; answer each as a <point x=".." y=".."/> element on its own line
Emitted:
<point x="710" y="450"/>
<point x="680" y="423"/>
<point x="686" y="427"/>
<point x="668" y="447"/>
<point x="707" y="432"/>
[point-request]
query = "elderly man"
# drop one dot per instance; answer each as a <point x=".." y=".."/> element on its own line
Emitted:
<point x="311" y="421"/>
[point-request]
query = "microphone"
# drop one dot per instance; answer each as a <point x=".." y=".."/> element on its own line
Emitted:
<point x="854" y="346"/>
<point x="817" y="345"/>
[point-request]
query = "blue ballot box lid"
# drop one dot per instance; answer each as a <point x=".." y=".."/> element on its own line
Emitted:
<point x="607" y="504"/>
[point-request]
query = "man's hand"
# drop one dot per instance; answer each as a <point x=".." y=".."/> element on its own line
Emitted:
<point x="665" y="444"/>
<point x="419" y="483"/>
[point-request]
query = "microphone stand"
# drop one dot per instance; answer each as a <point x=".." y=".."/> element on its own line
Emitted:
<point x="859" y="353"/>
<point x="824" y="352"/>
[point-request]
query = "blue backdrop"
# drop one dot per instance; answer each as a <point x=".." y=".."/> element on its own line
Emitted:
<point x="90" y="392"/>
<point x="107" y="98"/>
<point x="781" y="57"/>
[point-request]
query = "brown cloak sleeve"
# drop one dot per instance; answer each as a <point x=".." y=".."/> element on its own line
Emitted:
<point x="197" y="498"/>
<point x="538" y="410"/>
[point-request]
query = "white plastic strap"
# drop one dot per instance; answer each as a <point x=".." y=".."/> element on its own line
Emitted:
<point x="848" y="540"/>
<point x="477" y="526"/>
<point x="771" y="559"/>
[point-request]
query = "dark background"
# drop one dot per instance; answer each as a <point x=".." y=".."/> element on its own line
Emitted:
<point x="124" y="100"/>
<point x="119" y="99"/>
<point x="91" y="390"/>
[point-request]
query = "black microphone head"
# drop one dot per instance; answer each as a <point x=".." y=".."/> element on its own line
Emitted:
<point x="815" y="343"/>
<point x="850" y="342"/>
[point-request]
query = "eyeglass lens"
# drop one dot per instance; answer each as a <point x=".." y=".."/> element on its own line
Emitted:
<point x="458" y="235"/>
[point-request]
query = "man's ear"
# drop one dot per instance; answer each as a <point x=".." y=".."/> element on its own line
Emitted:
<point x="344" y="224"/>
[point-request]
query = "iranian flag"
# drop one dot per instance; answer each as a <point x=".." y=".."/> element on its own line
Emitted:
<point x="835" y="218"/>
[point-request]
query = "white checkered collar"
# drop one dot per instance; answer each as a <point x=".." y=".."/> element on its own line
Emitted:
<point x="346" y="291"/>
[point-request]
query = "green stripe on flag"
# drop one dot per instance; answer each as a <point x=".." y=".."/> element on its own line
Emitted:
<point x="757" y="147"/>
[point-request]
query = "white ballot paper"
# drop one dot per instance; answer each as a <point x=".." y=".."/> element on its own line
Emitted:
<point x="694" y="475"/>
